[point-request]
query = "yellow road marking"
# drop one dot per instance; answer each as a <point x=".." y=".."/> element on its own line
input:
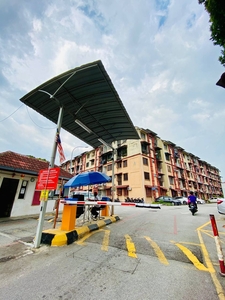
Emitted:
<point x="105" y="242"/>
<point x="187" y="243"/>
<point x="158" y="251"/>
<point x="81" y="241"/>
<point x="192" y="257"/>
<point x="209" y="264"/>
<point x="130" y="246"/>
<point x="207" y="232"/>
<point x="200" y="227"/>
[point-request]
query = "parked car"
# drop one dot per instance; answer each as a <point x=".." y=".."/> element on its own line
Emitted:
<point x="183" y="200"/>
<point x="221" y="206"/>
<point x="167" y="199"/>
<point x="213" y="200"/>
<point x="200" y="201"/>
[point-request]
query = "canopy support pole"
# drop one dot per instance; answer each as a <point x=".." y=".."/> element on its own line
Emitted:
<point x="37" y="240"/>
<point x="113" y="180"/>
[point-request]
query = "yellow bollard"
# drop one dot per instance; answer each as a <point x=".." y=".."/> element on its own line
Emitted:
<point x="69" y="217"/>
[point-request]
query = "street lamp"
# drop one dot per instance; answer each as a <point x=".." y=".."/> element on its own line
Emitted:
<point x="72" y="156"/>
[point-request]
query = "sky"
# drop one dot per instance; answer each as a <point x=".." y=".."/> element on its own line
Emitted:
<point x="157" y="53"/>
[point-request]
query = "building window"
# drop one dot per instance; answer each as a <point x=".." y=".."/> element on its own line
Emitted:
<point x="121" y="152"/>
<point x="171" y="180"/>
<point x="119" y="179"/>
<point x="148" y="192"/>
<point x="109" y="167"/>
<point x="119" y="165"/>
<point x="167" y="156"/>
<point x="125" y="176"/>
<point x="144" y="148"/>
<point x="87" y="164"/>
<point x="125" y="163"/>
<point x="125" y="193"/>
<point x="145" y="161"/>
<point x="169" y="168"/>
<point x="146" y="176"/>
<point x="142" y="136"/>
<point x="119" y="192"/>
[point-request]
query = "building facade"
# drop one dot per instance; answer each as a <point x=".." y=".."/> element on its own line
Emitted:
<point x="148" y="168"/>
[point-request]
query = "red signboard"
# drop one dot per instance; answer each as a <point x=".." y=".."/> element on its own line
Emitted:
<point x="48" y="179"/>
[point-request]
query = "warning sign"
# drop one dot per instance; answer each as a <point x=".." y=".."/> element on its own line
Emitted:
<point x="48" y="179"/>
<point x="44" y="195"/>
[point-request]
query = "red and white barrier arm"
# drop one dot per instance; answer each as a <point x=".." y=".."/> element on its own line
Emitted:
<point x="72" y="202"/>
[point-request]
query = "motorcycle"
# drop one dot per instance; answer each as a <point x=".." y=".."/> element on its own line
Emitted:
<point x="193" y="208"/>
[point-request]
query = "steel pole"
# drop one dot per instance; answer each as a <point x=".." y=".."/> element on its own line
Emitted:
<point x="113" y="181"/>
<point x="37" y="240"/>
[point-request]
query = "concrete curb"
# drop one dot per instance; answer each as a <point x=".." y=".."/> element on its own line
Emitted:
<point x="57" y="237"/>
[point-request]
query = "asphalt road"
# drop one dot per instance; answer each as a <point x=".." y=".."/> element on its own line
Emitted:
<point x="148" y="254"/>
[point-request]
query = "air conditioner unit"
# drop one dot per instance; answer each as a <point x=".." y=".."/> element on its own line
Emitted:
<point x="129" y="188"/>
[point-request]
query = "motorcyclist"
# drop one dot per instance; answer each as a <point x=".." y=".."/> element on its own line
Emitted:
<point x="192" y="199"/>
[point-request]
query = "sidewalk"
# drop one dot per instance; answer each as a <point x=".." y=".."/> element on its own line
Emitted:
<point x="17" y="234"/>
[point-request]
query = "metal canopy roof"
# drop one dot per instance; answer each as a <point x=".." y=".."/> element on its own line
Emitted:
<point x="87" y="94"/>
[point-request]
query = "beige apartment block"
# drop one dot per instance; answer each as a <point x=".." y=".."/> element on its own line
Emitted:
<point x="148" y="168"/>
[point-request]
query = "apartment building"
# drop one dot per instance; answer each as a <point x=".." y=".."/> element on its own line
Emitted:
<point x="148" y="168"/>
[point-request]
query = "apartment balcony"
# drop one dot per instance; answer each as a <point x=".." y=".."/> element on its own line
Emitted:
<point x="179" y="165"/>
<point x="158" y="157"/>
<point x="156" y="146"/>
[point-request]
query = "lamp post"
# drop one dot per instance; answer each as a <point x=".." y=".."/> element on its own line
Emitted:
<point x="72" y="156"/>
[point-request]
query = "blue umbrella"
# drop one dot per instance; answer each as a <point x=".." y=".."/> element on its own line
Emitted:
<point x="87" y="178"/>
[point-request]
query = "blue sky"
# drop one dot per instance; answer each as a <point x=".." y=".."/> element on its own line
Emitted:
<point x="158" y="55"/>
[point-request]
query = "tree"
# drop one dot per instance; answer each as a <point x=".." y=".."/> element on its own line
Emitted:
<point x="216" y="10"/>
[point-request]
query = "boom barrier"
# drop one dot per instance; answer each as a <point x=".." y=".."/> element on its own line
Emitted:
<point x="74" y="202"/>
<point x="70" y="209"/>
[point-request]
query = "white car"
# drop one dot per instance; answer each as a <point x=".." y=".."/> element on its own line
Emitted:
<point x="213" y="200"/>
<point x="200" y="201"/>
<point x="183" y="200"/>
<point x="221" y="206"/>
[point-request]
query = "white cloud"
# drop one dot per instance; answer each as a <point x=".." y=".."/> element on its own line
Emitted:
<point x="159" y="57"/>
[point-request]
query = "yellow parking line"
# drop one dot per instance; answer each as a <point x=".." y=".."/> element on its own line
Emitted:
<point x="207" y="232"/>
<point x="211" y="269"/>
<point x="200" y="227"/>
<point x="81" y="241"/>
<point x="192" y="257"/>
<point x="105" y="242"/>
<point x="187" y="243"/>
<point x="158" y="251"/>
<point x="130" y="246"/>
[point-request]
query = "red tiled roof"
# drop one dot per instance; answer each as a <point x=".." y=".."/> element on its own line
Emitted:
<point x="23" y="163"/>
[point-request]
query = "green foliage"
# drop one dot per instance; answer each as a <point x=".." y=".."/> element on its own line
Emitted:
<point x="216" y="10"/>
